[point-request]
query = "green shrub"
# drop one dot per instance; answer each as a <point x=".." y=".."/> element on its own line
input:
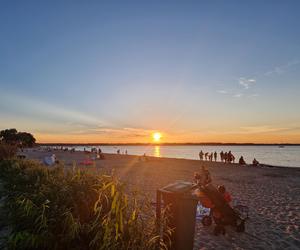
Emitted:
<point x="59" y="209"/>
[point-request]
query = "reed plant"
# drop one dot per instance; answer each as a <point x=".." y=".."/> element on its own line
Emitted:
<point x="7" y="151"/>
<point x="55" y="208"/>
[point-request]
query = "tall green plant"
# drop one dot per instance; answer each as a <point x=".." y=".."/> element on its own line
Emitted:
<point x="60" y="209"/>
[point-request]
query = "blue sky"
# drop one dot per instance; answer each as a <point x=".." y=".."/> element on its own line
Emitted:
<point x="117" y="71"/>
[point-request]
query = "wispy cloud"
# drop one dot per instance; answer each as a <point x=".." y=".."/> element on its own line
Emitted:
<point x="278" y="70"/>
<point x="246" y="82"/>
<point x="114" y="132"/>
<point x="222" y="91"/>
<point x="238" y="95"/>
<point x="262" y="129"/>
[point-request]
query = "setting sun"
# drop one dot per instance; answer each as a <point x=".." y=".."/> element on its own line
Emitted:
<point x="157" y="136"/>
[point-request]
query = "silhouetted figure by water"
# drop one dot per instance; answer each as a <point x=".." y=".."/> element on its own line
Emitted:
<point x="201" y="155"/>
<point x="222" y="156"/>
<point x="255" y="162"/>
<point x="206" y="156"/>
<point x="230" y="157"/>
<point x="242" y="161"/>
<point x="211" y="156"/>
<point x="225" y="157"/>
<point x="215" y="156"/>
<point x="118" y="151"/>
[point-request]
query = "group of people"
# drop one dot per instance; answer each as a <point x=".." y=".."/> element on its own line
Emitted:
<point x="119" y="152"/>
<point x="226" y="157"/>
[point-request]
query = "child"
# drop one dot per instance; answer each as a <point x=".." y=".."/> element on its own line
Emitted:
<point x="226" y="195"/>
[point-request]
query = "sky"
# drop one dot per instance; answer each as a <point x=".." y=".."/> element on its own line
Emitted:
<point x="109" y="71"/>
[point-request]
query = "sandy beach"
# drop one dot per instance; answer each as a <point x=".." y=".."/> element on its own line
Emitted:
<point x="271" y="193"/>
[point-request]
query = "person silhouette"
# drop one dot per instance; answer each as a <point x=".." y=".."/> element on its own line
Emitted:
<point x="222" y="156"/>
<point x="242" y="161"/>
<point x="215" y="156"/>
<point x="201" y="155"/>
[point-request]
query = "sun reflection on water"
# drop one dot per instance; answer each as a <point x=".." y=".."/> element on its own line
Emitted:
<point x="157" y="151"/>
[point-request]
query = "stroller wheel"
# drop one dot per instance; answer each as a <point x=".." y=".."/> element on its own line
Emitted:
<point x="206" y="221"/>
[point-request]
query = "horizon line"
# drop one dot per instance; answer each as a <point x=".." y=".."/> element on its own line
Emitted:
<point x="169" y="144"/>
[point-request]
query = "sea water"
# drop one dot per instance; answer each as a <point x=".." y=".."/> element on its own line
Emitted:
<point x="288" y="156"/>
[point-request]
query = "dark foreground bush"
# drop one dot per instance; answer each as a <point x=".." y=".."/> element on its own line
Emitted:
<point x="58" y="209"/>
<point x="7" y="151"/>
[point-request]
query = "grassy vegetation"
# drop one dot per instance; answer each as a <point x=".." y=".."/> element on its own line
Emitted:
<point x="7" y="151"/>
<point x="59" y="209"/>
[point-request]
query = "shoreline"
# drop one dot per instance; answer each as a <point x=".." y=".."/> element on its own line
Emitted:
<point x="261" y="165"/>
<point x="266" y="155"/>
<point x="169" y="144"/>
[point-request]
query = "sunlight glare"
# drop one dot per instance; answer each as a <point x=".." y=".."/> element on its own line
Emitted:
<point x="156" y="137"/>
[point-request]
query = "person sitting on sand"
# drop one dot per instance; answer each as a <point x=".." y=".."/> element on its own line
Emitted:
<point x="242" y="161"/>
<point x="203" y="177"/>
<point x="255" y="162"/>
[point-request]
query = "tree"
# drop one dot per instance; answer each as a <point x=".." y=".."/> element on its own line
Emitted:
<point x="9" y="136"/>
<point x="26" y="139"/>
<point x="13" y="137"/>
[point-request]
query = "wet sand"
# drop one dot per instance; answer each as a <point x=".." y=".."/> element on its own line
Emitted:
<point x="271" y="193"/>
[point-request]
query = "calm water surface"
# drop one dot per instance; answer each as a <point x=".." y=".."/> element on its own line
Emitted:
<point x="273" y="155"/>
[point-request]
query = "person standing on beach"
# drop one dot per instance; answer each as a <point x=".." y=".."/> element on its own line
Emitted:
<point x="206" y="155"/>
<point x="201" y="155"/>
<point x="215" y="156"/>
<point x="233" y="159"/>
<point x="230" y="156"/>
<point x="222" y="156"/>
<point x="225" y="157"/>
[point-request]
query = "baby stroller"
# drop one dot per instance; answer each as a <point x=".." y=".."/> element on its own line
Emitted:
<point x="220" y="211"/>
